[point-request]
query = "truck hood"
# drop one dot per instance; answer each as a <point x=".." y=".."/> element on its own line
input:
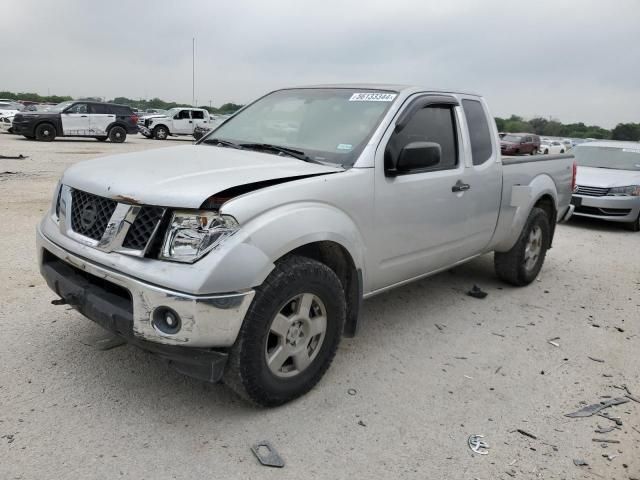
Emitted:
<point x="606" y="177"/>
<point x="183" y="176"/>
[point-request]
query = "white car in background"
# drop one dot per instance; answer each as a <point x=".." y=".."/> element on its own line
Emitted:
<point x="551" y="147"/>
<point x="568" y="144"/>
<point x="177" y="121"/>
<point x="8" y="110"/>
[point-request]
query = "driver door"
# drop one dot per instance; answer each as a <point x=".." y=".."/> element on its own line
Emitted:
<point x="420" y="215"/>
<point x="75" y="120"/>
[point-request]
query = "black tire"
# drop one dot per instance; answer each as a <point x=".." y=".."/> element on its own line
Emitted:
<point x="512" y="266"/>
<point x="45" y="132"/>
<point x="160" y="132"/>
<point x="102" y="139"/>
<point x="561" y="151"/>
<point x="546" y="151"/>
<point x="633" y="226"/>
<point x="247" y="371"/>
<point x="117" y="134"/>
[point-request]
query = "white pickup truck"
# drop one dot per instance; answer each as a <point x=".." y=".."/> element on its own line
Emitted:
<point x="246" y="257"/>
<point x="176" y="122"/>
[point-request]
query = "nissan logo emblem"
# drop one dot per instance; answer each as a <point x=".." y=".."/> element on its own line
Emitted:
<point x="88" y="215"/>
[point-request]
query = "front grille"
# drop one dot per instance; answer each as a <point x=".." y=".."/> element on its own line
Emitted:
<point x="90" y="213"/>
<point x="608" y="212"/>
<point x="143" y="227"/>
<point x="592" y="191"/>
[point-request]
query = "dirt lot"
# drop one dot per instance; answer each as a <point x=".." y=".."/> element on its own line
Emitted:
<point x="430" y="367"/>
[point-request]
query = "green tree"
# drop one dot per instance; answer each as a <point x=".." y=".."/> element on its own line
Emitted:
<point x="626" y="131"/>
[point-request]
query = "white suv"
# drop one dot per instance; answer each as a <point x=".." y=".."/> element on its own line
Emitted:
<point x="177" y="121"/>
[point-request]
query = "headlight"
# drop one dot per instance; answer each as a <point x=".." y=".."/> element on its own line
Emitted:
<point x="192" y="234"/>
<point x="632" y="190"/>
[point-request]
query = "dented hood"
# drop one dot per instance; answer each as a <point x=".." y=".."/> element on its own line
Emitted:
<point x="183" y="176"/>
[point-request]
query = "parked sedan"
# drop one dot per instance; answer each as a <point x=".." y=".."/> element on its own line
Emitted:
<point x="551" y="147"/>
<point x="608" y="182"/>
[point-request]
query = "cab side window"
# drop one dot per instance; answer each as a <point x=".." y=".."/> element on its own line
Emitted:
<point x="183" y="114"/>
<point x="435" y="124"/>
<point x="479" y="133"/>
<point x="197" y="114"/>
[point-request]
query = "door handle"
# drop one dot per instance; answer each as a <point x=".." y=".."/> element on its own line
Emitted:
<point x="83" y="116"/>
<point x="190" y="121"/>
<point x="460" y="187"/>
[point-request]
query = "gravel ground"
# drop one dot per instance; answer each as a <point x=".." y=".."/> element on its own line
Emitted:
<point x="430" y="367"/>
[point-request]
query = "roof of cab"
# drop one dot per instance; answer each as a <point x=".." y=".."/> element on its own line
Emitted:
<point x="400" y="88"/>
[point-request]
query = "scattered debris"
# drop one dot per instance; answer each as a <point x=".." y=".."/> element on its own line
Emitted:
<point x="477" y="445"/>
<point x="267" y="455"/>
<point x="13" y="157"/>
<point x="580" y="463"/>
<point x="599" y="360"/>
<point x="526" y="434"/>
<point x="590" y="410"/>
<point x="104" y="341"/>
<point x="361" y="423"/>
<point x="608" y="456"/>
<point x="352" y="391"/>
<point x="439" y="327"/>
<point x="498" y="334"/>
<point x="497" y="370"/>
<point x="620" y="329"/>
<point x="604" y="430"/>
<point x="477" y="292"/>
<point x="10" y="437"/>
<point x="605" y="440"/>
<point x="616" y="420"/>
<point x="553" y="342"/>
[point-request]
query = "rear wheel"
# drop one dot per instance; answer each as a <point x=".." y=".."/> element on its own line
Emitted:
<point x="45" y="132"/>
<point x="160" y="132"/>
<point x="521" y="265"/>
<point x="117" y="134"/>
<point x="290" y="334"/>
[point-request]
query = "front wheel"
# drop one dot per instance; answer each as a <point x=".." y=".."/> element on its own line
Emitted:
<point x="290" y="333"/>
<point x="45" y="132"/>
<point x="521" y="265"/>
<point x="634" y="226"/>
<point x="117" y="134"/>
<point x="160" y="133"/>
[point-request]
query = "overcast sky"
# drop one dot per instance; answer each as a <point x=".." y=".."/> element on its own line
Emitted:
<point x="574" y="60"/>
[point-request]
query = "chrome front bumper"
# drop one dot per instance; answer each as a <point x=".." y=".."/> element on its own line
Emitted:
<point x="206" y="320"/>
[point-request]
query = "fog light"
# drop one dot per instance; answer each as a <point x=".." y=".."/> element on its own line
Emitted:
<point x="166" y="320"/>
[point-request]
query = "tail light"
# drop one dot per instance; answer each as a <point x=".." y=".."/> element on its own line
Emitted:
<point x="134" y="118"/>
<point x="573" y="176"/>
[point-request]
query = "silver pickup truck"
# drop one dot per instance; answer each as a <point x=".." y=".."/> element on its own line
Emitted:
<point x="245" y="258"/>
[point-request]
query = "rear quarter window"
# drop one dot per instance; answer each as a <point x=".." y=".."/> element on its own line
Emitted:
<point x="479" y="132"/>
<point x="121" y="110"/>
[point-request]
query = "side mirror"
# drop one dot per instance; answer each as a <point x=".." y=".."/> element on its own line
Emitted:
<point x="417" y="156"/>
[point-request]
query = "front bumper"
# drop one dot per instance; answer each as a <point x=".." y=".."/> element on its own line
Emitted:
<point x="611" y="208"/>
<point x="207" y="320"/>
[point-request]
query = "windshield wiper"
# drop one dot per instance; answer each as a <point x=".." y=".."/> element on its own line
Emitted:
<point x="224" y="143"/>
<point x="299" y="154"/>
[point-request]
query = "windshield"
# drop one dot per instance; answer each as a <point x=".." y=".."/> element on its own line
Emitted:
<point x="619" y="158"/>
<point x="326" y="124"/>
<point x="512" y="138"/>
<point x="59" y="107"/>
<point x="8" y="106"/>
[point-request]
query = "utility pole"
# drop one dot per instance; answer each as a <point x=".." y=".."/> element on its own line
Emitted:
<point x="193" y="72"/>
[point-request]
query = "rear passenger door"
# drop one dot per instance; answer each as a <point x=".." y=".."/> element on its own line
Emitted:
<point x="100" y="118"/>
<point x="483" y="174"/>
<point x="75" y="120"/>
<point x="182" y="123"/>
<point x="200" y="118"/>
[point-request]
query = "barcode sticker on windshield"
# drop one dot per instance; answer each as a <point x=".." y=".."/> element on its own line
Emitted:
<point x="372" y="97"/>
